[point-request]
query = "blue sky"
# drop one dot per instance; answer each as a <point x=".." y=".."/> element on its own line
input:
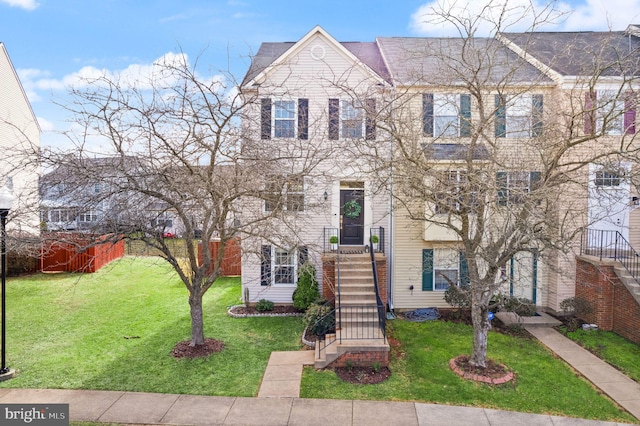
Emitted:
<point x="51" y="42"/>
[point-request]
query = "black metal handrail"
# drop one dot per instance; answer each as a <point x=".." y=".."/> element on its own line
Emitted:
<point x="382" y="312"/>
<point x="611" y="245"/>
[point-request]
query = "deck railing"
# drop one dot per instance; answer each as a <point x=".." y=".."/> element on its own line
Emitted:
<point x="611" y="245"/>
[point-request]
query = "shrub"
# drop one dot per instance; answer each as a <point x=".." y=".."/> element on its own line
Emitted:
<point x="575" y="308"/>
<point x="333" y="239"/>
<point x="264" y="305"/>
<point x="374" y="239"/>
<point x="458" y="297"/>
<point x="520" y="305"/>
<point x="320" y="319"/>
<point x="307" y="291"/>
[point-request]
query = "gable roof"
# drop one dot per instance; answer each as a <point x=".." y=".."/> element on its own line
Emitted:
<point x="270" y="54"/>
<point x="583" y="53"/>
<point x="438" y="61"/>
<point x="4" y="55"/>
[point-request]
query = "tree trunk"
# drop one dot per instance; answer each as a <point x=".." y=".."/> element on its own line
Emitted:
<point x="480" y="319"/>
<point x="197" y="327"/>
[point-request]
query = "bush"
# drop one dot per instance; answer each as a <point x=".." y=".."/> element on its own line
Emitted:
<point x="520" y="305"/>
<point x="458" y="297"/>
<point x="307" y="291"/>
<point x="264" y="305"/>
<point x="320" y="319"/>
<point x="575" y="308"/>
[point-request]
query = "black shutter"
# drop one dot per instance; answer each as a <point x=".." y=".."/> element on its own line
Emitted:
<point x="537" y="108"/>
<point x="334" y="119"/>
<point x="500" y="117"/>
<point x="303" y="119"/>
<point x="465" y="116"/>
<point x="303" y="255"/>
<point x="370" y="124"/>
<point x="265" y="119"/>
<point x="265" y="266"/>
<point x="427" y="114"/>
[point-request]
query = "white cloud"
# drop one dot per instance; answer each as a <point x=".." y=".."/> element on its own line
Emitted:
<point x="25" y="4"/>
<point x="46" y="125"/>
<point x="518" y="15"/>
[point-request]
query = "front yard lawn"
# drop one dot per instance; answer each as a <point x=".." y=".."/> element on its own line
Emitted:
<point x="115" y="330"/>
<point x="420" y="372"/>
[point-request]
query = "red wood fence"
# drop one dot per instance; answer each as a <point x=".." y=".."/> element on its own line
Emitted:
<point x="232" y="260"/>
<point x="78" y="253"/>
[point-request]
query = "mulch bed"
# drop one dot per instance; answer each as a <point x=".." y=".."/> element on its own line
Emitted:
<point x="493" y="373"/>
<point x="252" y="311"/>
<point x="363" y="375"/>
<point x="185" y="350"/>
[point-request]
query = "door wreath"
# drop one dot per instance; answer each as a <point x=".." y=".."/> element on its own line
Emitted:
<point x="352" y="209"/>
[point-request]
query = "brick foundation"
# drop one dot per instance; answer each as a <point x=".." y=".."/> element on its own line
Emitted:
<point x="614" y="308"/>
<point x="362" y="359"/>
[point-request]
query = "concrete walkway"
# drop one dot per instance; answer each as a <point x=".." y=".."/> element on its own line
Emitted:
<point x="165" y="409"/>
<point x="616" y="385"/>
<point x="283" y="374"/>
<point x="278" y="402"/>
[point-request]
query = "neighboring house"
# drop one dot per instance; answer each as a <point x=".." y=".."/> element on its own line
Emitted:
<point x="19" y="142"/>
<point x="304" y="97"/>
<point x="87" y="199"/>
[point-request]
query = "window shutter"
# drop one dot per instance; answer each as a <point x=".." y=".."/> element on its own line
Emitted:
<point x="503" y="188"/>
<point x="370" y="124"/>
<point x="589" y="112"/>
<point x="334" y="119"/>
<point x="265" y="119"/>
<point x="500" y="117"/>
<point x="265" y="266"/>
<point x="465" y="116"/>
<point x="427" y="269"/>
<point x="629" y="114"/>
<point x="535" y="180"/>
<point x="303" y="255"/>
<point x="463" y="268"/>
<point x="537" y="107"/>
<point x="303" y="119"/>
<point x="427" y="114"/>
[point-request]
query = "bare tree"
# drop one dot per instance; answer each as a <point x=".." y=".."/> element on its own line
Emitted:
<point x="489" y="149"/>
<point x="171" y="147"/>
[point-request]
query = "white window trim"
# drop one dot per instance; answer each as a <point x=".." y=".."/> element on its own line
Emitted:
<point x="294" y="256"/>
<point x="446" y="100"/>
<point x="357" y="107"/>
<point x="274" y="118"/>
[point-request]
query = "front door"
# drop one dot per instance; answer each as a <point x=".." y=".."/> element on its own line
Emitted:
<point x="351" y="216"/>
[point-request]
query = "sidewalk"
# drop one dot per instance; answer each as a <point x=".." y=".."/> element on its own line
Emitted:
<point x="277" y="402"/>
<point x="164" y="409"/>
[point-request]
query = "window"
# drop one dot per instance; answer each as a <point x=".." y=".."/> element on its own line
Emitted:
<point x="455" y="193"/>
<point x="351" y="120"/>
<point x="89" y="216"/>
<point x="279" y="266"/>
<point x="442" y="267"/>
<point x="518" y="116"/>
<point x="96" y="188"/>
<point x="446" y="115"/>
<point x="284" y="193"/>
<point x="604" y="178"/>
<point x="347" y="119"/>
<point x="611" y="110"/>
<point x="284" y="119"/>
<point x="289" y="119"/>
<point x="284" y="267"/>
<point x="514" y="186"/>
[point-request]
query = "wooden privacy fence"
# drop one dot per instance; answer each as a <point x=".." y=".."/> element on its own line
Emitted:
<point x="78" y="253"/>
<point x="232" y="260"/>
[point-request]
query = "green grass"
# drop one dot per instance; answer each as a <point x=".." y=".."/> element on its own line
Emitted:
<point x="613" y="348"/>
<point x="68" y="331"/>
<point x="420" y="372"/>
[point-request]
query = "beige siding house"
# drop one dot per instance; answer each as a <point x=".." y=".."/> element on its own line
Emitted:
<point x="493" y="106"/>
<point x="19" y="140"/>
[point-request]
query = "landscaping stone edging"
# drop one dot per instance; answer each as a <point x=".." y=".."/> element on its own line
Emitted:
<point x="478" y="377"/>
<point x="266" y="314"/>
<point x="307" y="342"/>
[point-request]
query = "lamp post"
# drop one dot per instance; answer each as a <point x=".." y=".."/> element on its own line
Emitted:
<point x="6" y="202"/>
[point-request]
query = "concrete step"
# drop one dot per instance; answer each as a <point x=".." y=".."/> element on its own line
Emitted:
<point x="357" y="297"/>
<point x="359" y="287"/>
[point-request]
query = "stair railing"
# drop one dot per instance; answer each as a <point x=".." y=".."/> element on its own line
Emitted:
<point x="611" y="245"/>
<point x="382" y="312"/>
